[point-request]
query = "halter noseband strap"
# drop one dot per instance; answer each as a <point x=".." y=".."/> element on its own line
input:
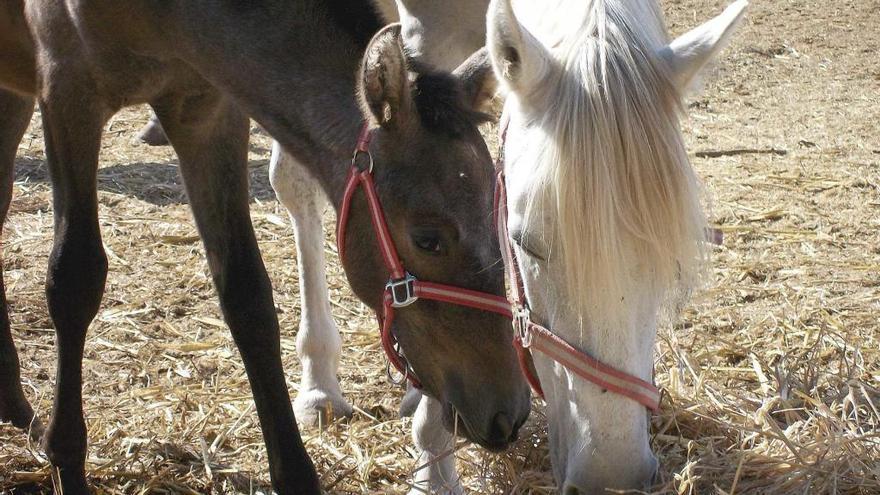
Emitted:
<point x="529" y="335"/>
<point x="402" y="288"/>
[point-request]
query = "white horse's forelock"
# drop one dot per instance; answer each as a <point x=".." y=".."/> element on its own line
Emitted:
<point x="613" y="172"/>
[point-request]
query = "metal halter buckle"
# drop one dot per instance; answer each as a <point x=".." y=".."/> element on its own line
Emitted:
<point x="402" y="290"/>
<point x="522" y="318"/>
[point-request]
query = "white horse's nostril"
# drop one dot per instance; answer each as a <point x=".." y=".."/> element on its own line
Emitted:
<point x="570" y="489"/>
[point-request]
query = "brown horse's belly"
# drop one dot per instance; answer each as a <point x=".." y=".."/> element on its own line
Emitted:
<point x="17" y="65"/>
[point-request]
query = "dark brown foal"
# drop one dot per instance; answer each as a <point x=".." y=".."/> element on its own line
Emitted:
<point x="296" y="68"/>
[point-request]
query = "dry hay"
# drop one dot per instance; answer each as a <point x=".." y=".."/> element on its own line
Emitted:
<point x="771" y="376"/>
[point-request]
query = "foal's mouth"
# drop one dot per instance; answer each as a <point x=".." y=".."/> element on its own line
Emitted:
<point x="458" y="424"/>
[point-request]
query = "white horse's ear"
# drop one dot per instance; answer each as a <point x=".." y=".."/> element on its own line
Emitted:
<point x="384" y="88"/>
<point x="518" y="59"/>
<point x="688" y="54"/>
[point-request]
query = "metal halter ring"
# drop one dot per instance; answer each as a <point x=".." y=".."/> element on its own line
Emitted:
<point x="402" y="290"/>
<point x="354" y="159"/>
<point x="522" y="318"/>
<point x="401" y="378"/>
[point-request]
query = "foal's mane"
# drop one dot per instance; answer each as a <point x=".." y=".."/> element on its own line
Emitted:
<point x="613" y="172"/>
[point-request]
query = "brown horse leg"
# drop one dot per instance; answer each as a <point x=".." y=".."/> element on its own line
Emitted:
<point x="77" y="265"/>
<point x="210" y="136"/>
<point x="16" y="111"/>
<point x="152" y="133"/>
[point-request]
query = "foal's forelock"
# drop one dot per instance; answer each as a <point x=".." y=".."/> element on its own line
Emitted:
<point x="441" y="103"/>
<point x="613" y="172"/>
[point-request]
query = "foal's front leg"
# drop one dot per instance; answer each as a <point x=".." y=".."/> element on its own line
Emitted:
<point x="213" y="160"/>
<point x="317" y="343"/>
<point x="436" y="464"/>
<point x="77" y="265"/>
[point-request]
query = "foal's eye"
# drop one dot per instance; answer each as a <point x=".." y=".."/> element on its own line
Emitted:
<point x="428" y="242"/>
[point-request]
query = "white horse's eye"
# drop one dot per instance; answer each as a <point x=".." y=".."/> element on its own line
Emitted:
<point x="529" y="247"/>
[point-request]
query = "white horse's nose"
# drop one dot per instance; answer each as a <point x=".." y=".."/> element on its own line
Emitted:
<point x="598" y="479"/>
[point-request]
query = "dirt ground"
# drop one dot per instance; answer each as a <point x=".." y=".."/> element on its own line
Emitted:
<point x="771" y="375"/>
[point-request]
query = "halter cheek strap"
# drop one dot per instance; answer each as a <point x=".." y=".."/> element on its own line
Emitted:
<point x="402" y="288"/>
<point x="529" y="335"/>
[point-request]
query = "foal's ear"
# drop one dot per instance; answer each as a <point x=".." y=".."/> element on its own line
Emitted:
<point x="477" y="80"/>
<point x="384" y="88"/>
<point x="519" y="60"/>
<point x="690" y="52"/>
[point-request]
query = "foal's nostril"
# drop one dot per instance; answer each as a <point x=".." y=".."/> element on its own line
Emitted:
<point x="502" y="427"/>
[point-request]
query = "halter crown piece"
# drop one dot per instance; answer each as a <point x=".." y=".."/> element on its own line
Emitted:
<point x="403" y="288"/>
<point x="529" y="335"/>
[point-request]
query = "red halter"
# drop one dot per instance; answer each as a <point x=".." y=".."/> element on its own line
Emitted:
<point x="402" y="288"/>
<point x="529" y="335"/>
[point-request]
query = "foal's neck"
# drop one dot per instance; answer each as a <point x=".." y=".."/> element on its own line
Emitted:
<point x="324" y="99"/>
<point x="292" y="67"/>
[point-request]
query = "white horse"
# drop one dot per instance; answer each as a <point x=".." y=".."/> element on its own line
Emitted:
<point x="603" y="206"/>
<point x="442" y="35"/>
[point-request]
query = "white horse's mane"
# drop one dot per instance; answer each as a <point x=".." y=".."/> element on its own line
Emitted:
<point x="613" y="172"/>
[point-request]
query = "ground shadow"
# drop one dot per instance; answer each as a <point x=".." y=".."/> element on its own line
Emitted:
<point x="156" y="183"/>
<point x="181" y="468"/>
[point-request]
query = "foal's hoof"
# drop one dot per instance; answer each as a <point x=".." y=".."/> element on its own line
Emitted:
<point x="152" y="134"/>
<point x="71" y="481"/>
<point x="22" y="416"/>
<point x="318" y="408"/>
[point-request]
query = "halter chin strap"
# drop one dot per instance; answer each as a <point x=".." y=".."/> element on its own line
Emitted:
<point x="402" y="288"/>
<point x="529" y="335"/>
